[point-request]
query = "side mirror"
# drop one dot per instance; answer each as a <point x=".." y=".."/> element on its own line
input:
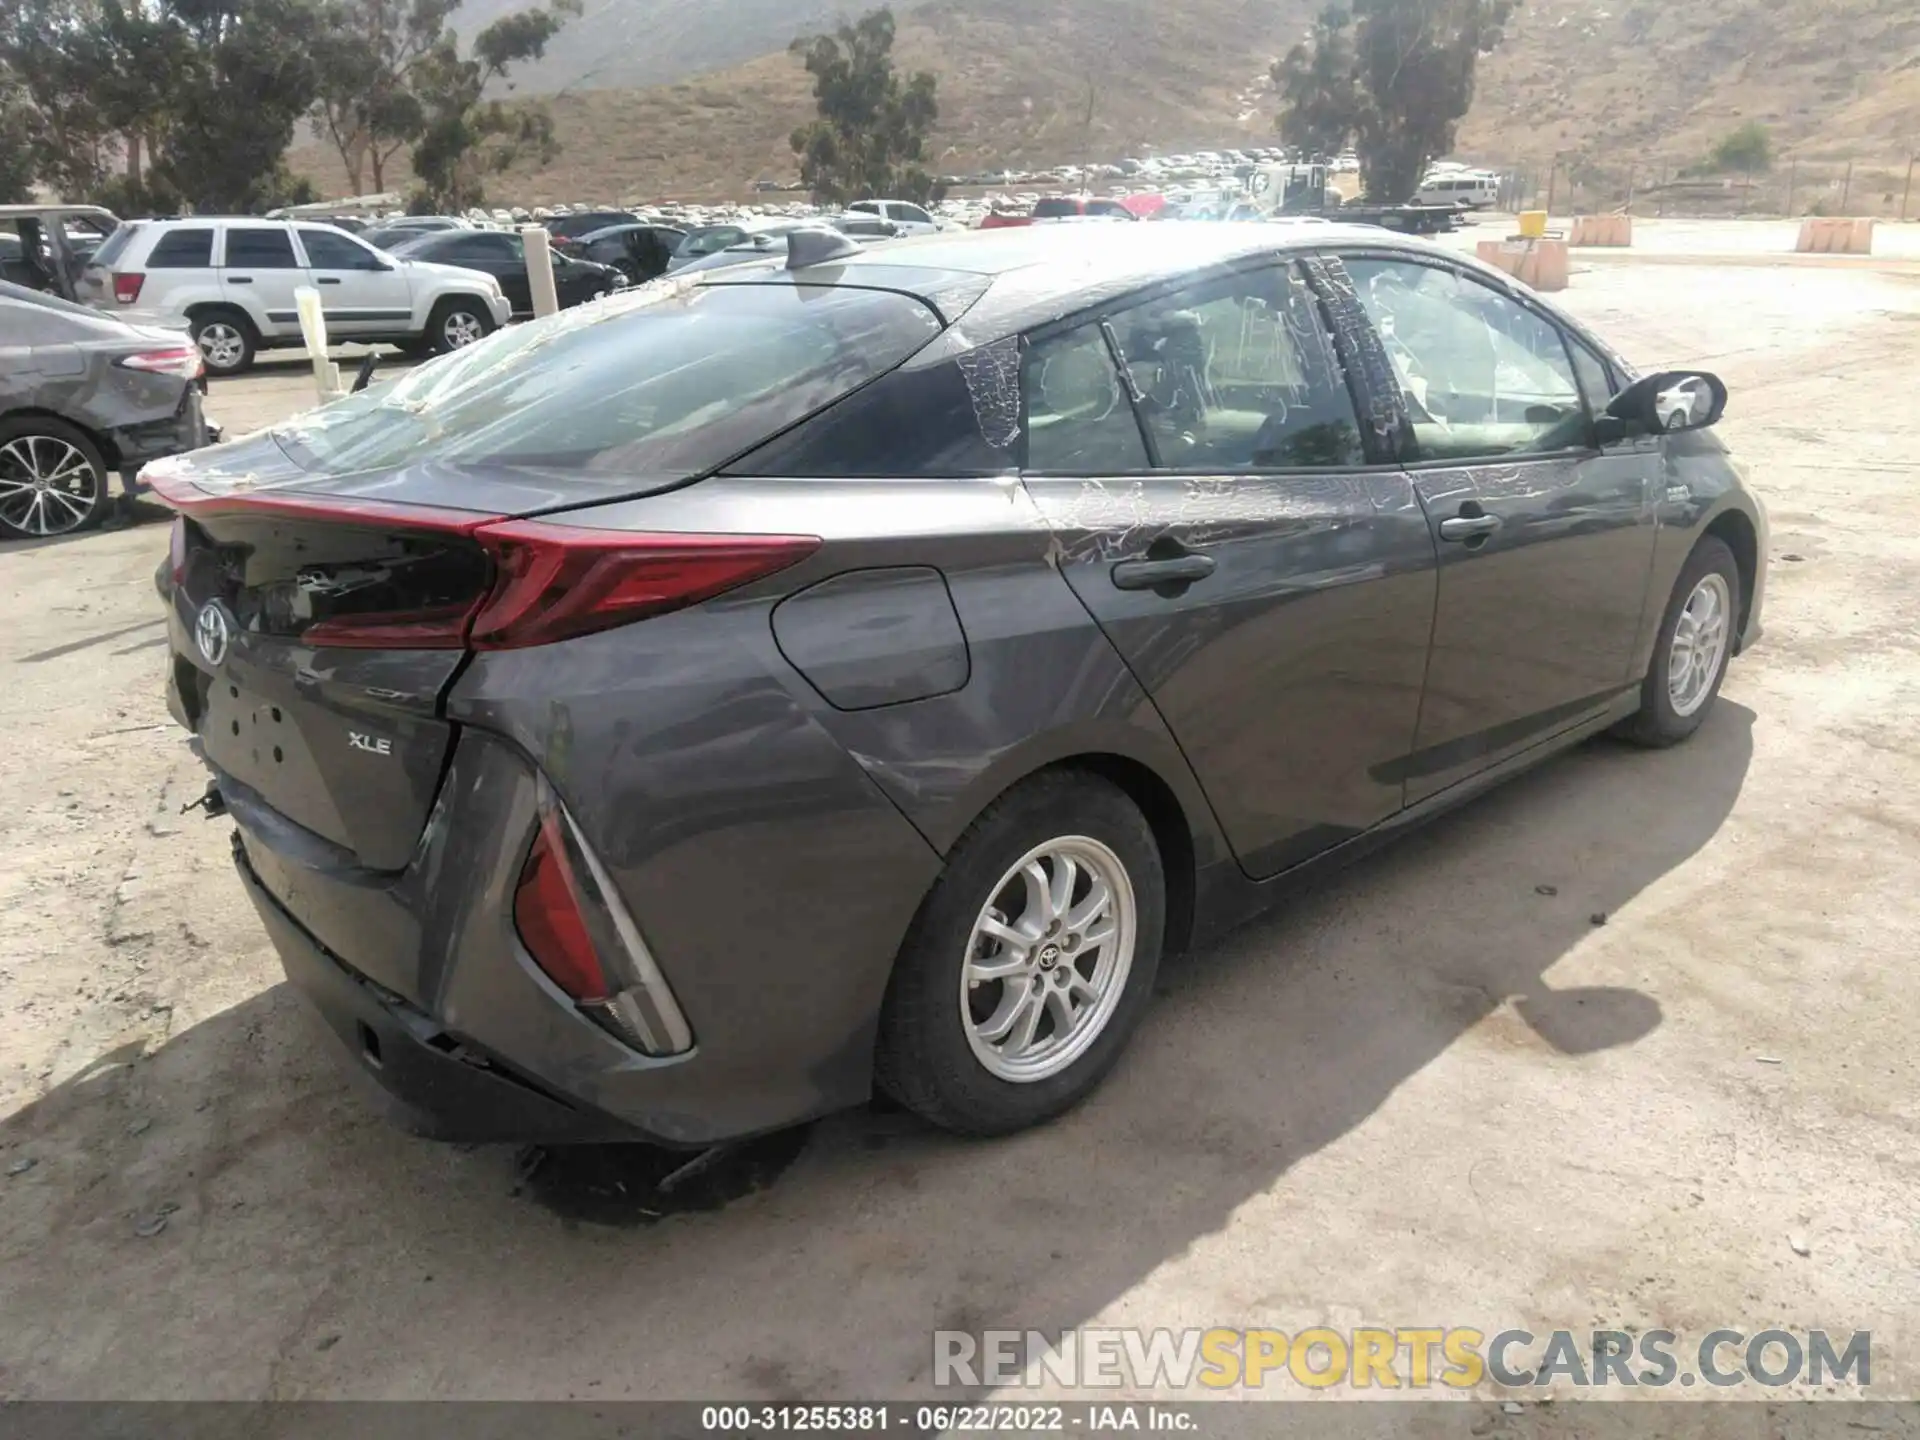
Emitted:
<point x="1671" y="400"/>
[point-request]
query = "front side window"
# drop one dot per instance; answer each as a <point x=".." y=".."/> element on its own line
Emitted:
<point x="1238" y="373"/>
<point x="260" y="247"/>
<point x="330" y="250"/>
<point x="1055" y="209"/>
<point x="1483" y="376"/>
<point x="666" y="384"/>
<point x="1078" y="418"/>
<point x="1596" y="382"/>
<point x="914" y="215"/>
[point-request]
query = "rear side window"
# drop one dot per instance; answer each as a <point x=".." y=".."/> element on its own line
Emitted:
<point x="182" y="250"/>
<point x="646" y="385"/>
<point x="953" y="419"/>
<point x="1055" y="209"/>
<point x="1079" y="421"/>
<point x="259" y="247"/>
<point x="115" y="245"/>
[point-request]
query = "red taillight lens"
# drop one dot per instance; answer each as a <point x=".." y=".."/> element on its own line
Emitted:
<point x="557" y="581"/>
<point x="547" y="912"/>
<point x="183" y="361"/>
<point x="126" y="287"/>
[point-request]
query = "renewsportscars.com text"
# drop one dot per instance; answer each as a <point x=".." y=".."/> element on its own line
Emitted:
<point x="1416" y="1358"/>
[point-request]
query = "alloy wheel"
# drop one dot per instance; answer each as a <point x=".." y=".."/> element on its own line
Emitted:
<point x="221" y="345"/>
<point x="47" y="485"/>
<point x="1699" y="644"/>
<point x="1048" y="959"/>
<point x="461" y="329"/>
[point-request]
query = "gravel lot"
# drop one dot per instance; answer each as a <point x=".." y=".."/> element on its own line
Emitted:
<point x="1427" y="1093"/>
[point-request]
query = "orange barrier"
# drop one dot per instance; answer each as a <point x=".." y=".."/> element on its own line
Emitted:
<point x="1539" y="263"/>
<point x="1835" y="235"/>
<point x="1614" y="230"/>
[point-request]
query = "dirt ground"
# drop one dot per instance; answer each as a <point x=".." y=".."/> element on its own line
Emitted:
<point x="1428" y="1093"/>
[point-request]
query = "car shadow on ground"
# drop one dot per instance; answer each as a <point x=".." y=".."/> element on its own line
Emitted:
<point x="235" y="1175"/>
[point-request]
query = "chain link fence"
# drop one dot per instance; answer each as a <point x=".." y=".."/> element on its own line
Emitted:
<point x="1789" y="187"/>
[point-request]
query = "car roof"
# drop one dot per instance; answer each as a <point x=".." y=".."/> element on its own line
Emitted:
<point x="1026" y="276"/>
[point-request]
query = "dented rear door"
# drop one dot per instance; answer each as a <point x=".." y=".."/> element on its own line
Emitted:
<point x="1219" y="511"/>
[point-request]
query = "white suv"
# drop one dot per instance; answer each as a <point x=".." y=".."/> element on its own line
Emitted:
<point x="231" y="283"/>
<point x="907" y="218"/>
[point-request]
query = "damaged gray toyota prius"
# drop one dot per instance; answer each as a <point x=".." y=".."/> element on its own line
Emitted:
<point x="674" y="718"/>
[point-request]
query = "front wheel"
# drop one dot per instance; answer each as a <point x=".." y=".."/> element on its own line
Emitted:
<point x="1030" y="963"/>
<point x="1690" y="657"/>
<point x="457" y="324"/>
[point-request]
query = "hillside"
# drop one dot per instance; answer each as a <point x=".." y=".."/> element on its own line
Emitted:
<point x="1644" y="87"/>
<point x="1014" y="83"/>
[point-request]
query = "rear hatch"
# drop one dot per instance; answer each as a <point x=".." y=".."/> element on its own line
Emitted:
<point x="328" y="579"/>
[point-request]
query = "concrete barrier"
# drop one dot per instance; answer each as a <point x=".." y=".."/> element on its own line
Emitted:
<point x="1835" y="235"/>
<point x="1596" y="230"/>
<point x="1539" y="263"/>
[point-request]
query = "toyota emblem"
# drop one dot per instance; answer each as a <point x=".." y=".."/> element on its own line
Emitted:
<point x="211" y="632"/>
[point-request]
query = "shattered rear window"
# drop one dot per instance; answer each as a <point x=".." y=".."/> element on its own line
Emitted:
<point x="674" y="378"/>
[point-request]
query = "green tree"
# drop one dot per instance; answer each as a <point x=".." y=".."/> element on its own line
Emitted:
<point x="872" y="129"/>
<point x="1746" y="148"/>
<point x="368" y="58"/>
<point x="244" y="80"/>
<point x="1402" y="93"/>
<point x="196" y="99"/>
<point x="1318" y="83"/>
<point x="18" y="143"/>
<point x="464" y="137"/>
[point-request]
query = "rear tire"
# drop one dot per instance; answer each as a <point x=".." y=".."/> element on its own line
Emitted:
<point x="1697" y="634"/>
<point x="53" y="480"/>
<point x="456" y="323"/>
<point x="988" y="1054"/>
<point x="226" y="339"/>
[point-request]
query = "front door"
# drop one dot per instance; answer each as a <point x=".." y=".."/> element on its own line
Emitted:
<point x="1198" y="457"/>
<point x="361" y="292"/>
<point x="260" y="272"/>
<point x="1545" y="539"/>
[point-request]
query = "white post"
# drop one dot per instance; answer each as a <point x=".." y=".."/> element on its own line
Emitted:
<point x="313" y="328"/>
<point x="534" y="238"/>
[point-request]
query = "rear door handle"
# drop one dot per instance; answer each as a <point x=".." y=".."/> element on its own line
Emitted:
<point x="1152" y="574"/>
<point x="1469" y="527"/>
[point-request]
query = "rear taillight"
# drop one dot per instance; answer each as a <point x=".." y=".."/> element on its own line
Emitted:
<point x="126" y="286"/>
<point x="550" y="582"/>
<point x="576" y="929"/>
<point x="557" y="581"/>
<point x="181" y="361"/>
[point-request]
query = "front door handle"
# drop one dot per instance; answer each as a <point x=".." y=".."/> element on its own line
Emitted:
<point x="329" y="280"/>
<point x="239" y="279"/>
<point x="1469" y="527"/>
<point x="1153" y="574"/>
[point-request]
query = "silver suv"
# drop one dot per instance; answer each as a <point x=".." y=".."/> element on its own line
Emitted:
<point x="232" y="283"/>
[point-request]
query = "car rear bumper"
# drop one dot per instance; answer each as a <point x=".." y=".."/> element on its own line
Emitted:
<point x="431" y="1083"/>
